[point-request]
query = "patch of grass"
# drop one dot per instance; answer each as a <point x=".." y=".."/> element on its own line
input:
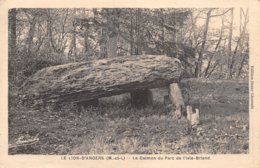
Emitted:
<point x="117" y="128"/>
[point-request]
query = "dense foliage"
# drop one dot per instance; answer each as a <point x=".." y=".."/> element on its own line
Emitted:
<point x="209" y="42"/>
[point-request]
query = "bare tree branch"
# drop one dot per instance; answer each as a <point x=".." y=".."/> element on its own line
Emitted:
<point x="221" y="13"/>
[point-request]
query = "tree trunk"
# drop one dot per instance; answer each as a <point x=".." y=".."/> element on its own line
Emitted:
<point x="112" y="45"/>
<point x="12" y="42"/>
<point x="242" y="64"/>
<point x="199" y="62"/>
<point x="233" y="58"/>
<point x="113" y="26"/>
<point x="163" y="32"/>
<point x="138" y="45"/>
<point x="12" y="31"/>
<point x="30" y="35"/>
<point x="49" y="42"/>
<point x="61" y="43"/>
<point x="73" y="47"/>
<point x="103" y="46"/>
<point x="206" y="74"/>
<point x="230" y="55"/>
<point x="242" y="37"/>
<point x="131" y="34"/>
<point x="79" y="82"/>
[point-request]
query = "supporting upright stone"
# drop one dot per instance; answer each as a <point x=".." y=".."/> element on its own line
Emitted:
<point x="189" y="112"/>
<point x="195" y="118"/>
<point x="176" y="98"/>
<point x="192" y="116"/>
<point x="141" y="98"/>
<point x="150" y="98"/>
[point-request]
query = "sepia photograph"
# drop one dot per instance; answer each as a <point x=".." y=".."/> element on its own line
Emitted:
<point x="118" y="81"/>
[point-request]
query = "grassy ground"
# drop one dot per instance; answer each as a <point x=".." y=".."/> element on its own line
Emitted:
<point x="117" y="128"/>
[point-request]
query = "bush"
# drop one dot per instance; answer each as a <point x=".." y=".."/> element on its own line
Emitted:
<point x="22" y="65"/>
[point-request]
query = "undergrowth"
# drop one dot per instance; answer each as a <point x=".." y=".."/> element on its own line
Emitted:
<point x="115" y="127"/>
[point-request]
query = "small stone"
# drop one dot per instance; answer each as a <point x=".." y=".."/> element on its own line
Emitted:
<point x="195" y="118"/>
<point x="189" y="112"/>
